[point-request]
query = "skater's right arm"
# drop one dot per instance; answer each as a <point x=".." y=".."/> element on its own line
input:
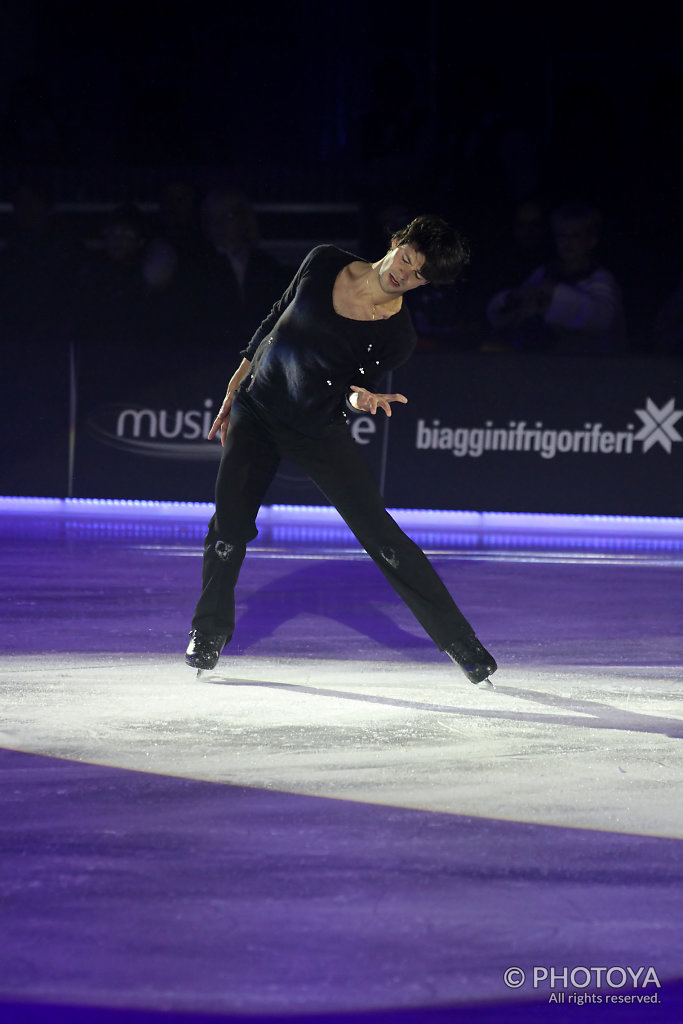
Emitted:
<point x="223" y="418"/>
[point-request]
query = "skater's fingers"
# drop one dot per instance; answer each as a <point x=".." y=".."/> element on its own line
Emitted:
<point x="215" y="426"/>
<point x="222" y="419"/>
<point x="384" y="401"/>
<point x="220" y="423"/>
<point x="367" y="401"/>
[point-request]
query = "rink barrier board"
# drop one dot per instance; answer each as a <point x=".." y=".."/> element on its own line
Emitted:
<point x="522" y="434"/>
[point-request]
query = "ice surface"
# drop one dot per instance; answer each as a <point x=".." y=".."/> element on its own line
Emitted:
<point x="334" y="819"/>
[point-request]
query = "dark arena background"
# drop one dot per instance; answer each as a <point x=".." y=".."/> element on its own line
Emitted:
<point x="334" y="824"/>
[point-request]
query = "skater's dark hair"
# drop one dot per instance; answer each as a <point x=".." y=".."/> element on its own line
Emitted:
<point x="445" y="250"/>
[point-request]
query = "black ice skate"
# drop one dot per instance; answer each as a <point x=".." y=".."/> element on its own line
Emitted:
<point x="204" y="650"/>
<point x="475" y="661"/>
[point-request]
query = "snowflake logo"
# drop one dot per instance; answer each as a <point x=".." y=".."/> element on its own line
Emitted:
<point x="658" y="425"/>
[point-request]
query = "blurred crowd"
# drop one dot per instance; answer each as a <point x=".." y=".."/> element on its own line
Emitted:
<point x="145" y="293"/>
<point x="187" y="283"/>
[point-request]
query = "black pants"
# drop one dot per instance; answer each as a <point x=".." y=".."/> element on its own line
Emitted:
<point x="251" y="455"/>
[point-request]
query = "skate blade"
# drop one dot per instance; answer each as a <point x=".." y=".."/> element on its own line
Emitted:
<point x="485" y="684"/>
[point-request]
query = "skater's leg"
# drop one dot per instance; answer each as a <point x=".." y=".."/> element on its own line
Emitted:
<point x="340" y="471"/>
<point x="248" y="465"/>
<point x="342" y="475"/>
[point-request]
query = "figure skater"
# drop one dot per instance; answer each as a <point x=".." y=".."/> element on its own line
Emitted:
<point x="339" y="327"/>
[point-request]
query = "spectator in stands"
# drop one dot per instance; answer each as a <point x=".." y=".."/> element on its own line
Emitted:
<point x="570" y="304"/>
<point x="177" y="258"/>
<point x="112" y="282"/>
<point x="126" y="309"/>
<point x="517" y="252"/>
<point x="241" y="280"/>
<point x="179" y="219"/>
<point x="509" y="248"/>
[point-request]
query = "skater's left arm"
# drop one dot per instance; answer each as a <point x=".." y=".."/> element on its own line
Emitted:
<point x="223" y="418"/>
<point x="367" y="401"/>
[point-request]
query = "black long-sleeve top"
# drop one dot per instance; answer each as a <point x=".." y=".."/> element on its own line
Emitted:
<point x="305" y="356"/>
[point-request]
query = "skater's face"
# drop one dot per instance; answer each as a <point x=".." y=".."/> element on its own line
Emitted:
<point x="400" y="270"/>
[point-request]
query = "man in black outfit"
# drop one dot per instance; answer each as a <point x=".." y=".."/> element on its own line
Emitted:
<point x="339" y="327"/>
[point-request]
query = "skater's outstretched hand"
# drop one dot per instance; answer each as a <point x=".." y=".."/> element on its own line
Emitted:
<point x="222" y="420"/>
<point x="367" y="401"/>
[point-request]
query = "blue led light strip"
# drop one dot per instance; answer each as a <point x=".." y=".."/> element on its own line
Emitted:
<point x="505" y="522"/>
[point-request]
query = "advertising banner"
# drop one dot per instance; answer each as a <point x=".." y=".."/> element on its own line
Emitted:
<point x="144" y="436"/>
<point x="481" y="432"/>
<point x="521" y="433"/>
